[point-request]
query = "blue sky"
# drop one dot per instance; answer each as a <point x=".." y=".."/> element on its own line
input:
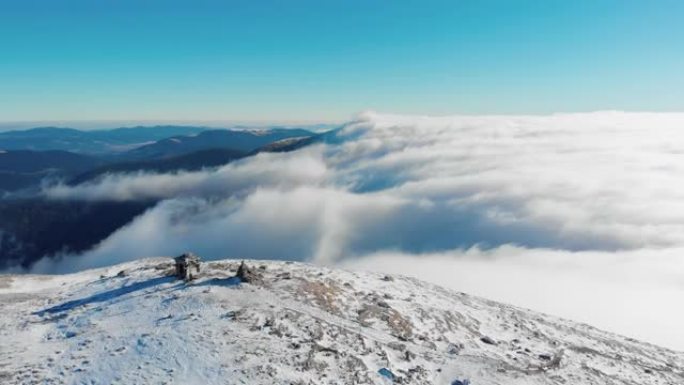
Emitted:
<point x="326" y="60"/>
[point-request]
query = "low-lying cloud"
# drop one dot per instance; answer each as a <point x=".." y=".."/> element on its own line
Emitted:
<point x="589" y="201"/>
<point x="235" y="179"/>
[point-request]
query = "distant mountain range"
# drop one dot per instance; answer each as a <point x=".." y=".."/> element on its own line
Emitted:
<point x="246" y="141"/>
<point x="32" y="227"/>
<point x="29" y="157"/>
<point x="90" y="142"/>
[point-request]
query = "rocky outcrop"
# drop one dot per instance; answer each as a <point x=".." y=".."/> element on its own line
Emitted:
<point x="247" y="274"/>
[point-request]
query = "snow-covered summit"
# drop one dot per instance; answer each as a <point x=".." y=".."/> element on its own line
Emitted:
<point x="295" y="324"/>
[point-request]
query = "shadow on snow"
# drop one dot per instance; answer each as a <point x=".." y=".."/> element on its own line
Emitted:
<point x="105" y="296"/>
<point x="230" y="281"/>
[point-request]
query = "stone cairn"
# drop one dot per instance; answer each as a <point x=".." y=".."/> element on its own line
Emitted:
<point x="247" y="274"/>
<point x="187" y="266"/>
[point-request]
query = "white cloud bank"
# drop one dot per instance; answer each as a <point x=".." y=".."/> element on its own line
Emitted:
<point x="580" y="215"/>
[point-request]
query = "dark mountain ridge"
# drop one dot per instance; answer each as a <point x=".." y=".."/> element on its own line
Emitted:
<point x="33" y="228"/>
<point x="89" y="142"/>
<point x="23" y="168"/>
<point x="246" y="141"/>
<point x="27" y="161"/>
<point x="188" y="162"/>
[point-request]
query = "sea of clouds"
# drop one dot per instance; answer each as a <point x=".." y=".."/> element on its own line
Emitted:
<point x="579" y="215"/>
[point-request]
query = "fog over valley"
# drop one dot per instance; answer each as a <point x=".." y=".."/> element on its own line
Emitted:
<point x="560" y="213"/>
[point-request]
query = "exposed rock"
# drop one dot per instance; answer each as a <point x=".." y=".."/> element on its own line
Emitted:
<point x="488" y="340"/>
<point x="247" y="274"/>
<point x="383" y="304"/>
<point x="187" y="266"/>
<point x="454" y="348"/>
<point x="285" y="275"/>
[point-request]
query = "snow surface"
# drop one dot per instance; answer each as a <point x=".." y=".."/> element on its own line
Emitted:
<point x="300" y="324"/>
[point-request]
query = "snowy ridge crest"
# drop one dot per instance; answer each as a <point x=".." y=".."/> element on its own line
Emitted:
<point x="294" y="323"/>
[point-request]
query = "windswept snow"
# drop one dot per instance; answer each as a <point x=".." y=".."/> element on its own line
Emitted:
<point x="299" y="324"/>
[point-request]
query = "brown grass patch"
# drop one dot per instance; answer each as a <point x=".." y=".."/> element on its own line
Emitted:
<point x="323" y="294"/>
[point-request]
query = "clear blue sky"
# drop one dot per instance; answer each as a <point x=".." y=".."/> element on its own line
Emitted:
<point x="326" y="60"/>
